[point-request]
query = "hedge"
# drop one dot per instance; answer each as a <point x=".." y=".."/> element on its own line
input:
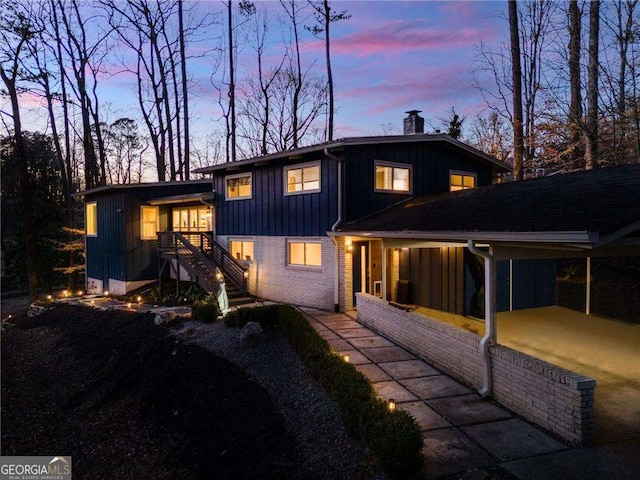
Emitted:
<point x="394" y="437"/>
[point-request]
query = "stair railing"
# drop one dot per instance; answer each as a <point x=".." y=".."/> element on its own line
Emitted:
<point x="232" y="269"/>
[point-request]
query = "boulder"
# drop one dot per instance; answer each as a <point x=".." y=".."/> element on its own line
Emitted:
<point x="35" y="310"/>
<point x="164" y="318"/>
<point x="252" y="331"/>
<point x="185" y="333"/>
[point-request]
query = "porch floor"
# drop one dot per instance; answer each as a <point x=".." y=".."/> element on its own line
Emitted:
<point x="603" y="349"/>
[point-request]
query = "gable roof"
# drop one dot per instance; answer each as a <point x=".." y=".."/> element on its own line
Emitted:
<point x="592" y="207"/>
<point x="498" y="166"/>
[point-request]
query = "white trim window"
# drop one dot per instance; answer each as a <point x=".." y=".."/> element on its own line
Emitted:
<point x="241" y="249"/>
<point x="149" y="222"/>
<point x="462" y="180"/>
<point x="302" y="178"/>
<point x="239" y="186"/>
<point x="91" y="219"/>
<point x="304" y="253"/>
<point x="393" y="177"/>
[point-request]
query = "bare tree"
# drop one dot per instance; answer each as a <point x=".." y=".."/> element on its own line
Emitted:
<point x="591" y="127"/>
<point x="575" y="107"/>
<point x="516" y="75"/>
<point x="324" y="18"/>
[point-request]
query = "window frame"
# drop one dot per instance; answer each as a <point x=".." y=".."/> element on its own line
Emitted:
<point x="463" y="174"/>
<point x="304" y="242"/>
<point x="302" y="166"/>
<point x="142" y="223"/>
<point x="393" y="165"/>
<point x="242" y="241"/>
<point x="94" y="206"/>
<point x="232" y="177"/>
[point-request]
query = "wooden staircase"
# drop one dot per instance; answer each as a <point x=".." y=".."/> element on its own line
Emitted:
<point x="207" y="263"/>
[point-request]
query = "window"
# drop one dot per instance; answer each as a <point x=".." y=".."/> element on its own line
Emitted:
<point x="149" y="222"/>
<point x="239" y="186"/>
<point x="241" y="249"/>
<point x="302" y="178"/>
<point x="91" y="220"/>
<point x="393" y="177"/>
<point x="461" y="181"/>
<point x="194" y="219"/>
<point x="305" y="253"/>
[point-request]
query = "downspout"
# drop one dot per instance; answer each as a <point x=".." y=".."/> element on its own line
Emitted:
<point x="336" y="272"/>
<point x="489" y="312"/>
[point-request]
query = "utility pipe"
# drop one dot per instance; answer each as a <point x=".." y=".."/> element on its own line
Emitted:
<point x="489" y="312"/>
<point x="336" y="273"/>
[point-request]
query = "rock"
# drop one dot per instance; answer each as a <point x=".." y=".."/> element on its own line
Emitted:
<point x="250" y="332"/>
<point x="185" y="333"/>
<point x="164" y="318"/>
<point x="35" y="310"/>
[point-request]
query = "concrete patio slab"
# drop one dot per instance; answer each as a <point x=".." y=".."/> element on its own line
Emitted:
<point x="339" y="324"/>
<point x="328" y="334"/>
<point x="373" y="373"/>
<point x="393" y="390"/>
<point x="387" y="354"/>
<point x="318" y="326"/>
<point x="615" y="461"/>
<point x="512" y="439"/>
<point x="339" y="345"/>
<point x="434" y="387"/>
<point x="468" y="409"/>
<point x="447" y="451"/>
<point x="370" y="342"/>
<point x="426" y="417"/>
<point x="355" y="332"/>
<point x="356" y="358"/>
<point x="409" y="369"/>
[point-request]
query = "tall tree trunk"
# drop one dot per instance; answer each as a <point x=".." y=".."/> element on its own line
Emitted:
<point x="516" y="76"/>
<point x="185" y="96"/>
<point x="327" y="13"/>
<point x="232" y="85"/>
<point x="575" y="108"/>
<point x="591" y="133"/>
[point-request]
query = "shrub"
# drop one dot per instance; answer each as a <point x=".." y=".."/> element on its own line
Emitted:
<point x="394" y="437"/>
<point x="207" y="310"/>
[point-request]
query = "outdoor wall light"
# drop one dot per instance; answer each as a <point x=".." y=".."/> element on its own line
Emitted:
<point x="346" y="357"/>
<point x="391" y="405"/>
<point x="246" y="274"/>
<point x="350" y="248"/>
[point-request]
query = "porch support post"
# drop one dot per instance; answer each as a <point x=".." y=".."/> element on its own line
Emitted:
<point x="587" y="309"/>
<point x="384" y="271"/>
<point x="489" y="313"/>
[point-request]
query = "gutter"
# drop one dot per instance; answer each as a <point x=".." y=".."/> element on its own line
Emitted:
<point x="489" y="312"/>
<point x="336" y="273"/>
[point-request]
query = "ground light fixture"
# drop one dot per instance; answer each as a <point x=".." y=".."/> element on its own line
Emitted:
<point x="105" y="293"/>
<point x="139" y="299"/>
<point x="391" y="405"/>
<point x="346" y="357"/>
<point x="129" y="306"/>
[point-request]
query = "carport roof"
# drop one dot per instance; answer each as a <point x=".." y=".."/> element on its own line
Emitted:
<point x="593" y="207"/>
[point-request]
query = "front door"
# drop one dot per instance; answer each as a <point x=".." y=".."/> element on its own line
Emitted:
<point x="360" y="268"/>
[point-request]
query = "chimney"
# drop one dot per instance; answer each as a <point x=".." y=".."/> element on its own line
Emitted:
<point x="414" y="123"/>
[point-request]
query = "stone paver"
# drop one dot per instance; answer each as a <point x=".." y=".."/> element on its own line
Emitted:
<point x="434" y="387"/>
<point x="339" y="345"/>
<point x="355" y="332"/>
<point x="425" y="416"/>
<point x="393" y="390"/>
<point x="408" y="369"/>
<point x="370" y="342"/>
<point x="468" y="409"/>
<point x="328" y="334"/>
<point x="356" y="357"/>
<point x="373" y="372"/>
<point x="386" y="354"/>
<point x="512" y="439"/>
<point x="448" y="451"/>
<point x="340" y="324"/>
<point x="318" y="326"/>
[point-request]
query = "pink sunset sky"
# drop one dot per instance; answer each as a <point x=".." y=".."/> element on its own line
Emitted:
<point x="390" y="57"/>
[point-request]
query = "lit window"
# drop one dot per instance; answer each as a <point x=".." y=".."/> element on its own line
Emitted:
<point x="194" y="219"/>
<point x="302" y="178"/>
<point x="461" y="181"/>
<point x="91" y="221"/>
<point x="239" y="186"/>
<point x="393" y="177"/>
<point x="305" y="253"/>
<point x="241" y="250"/>
<point x="149" y="222"/>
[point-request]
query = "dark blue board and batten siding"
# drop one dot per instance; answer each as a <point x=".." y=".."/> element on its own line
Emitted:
<point x="118" y="252"/>
<point x="272" y="213"/>
<point x="431" y="164"/>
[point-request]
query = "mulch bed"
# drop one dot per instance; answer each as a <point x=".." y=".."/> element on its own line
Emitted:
<point x="119" y="395"/>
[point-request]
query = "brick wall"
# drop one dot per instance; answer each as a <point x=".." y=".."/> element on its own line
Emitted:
<point x="552" y="397"/>
<point x="271" y="278"/>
